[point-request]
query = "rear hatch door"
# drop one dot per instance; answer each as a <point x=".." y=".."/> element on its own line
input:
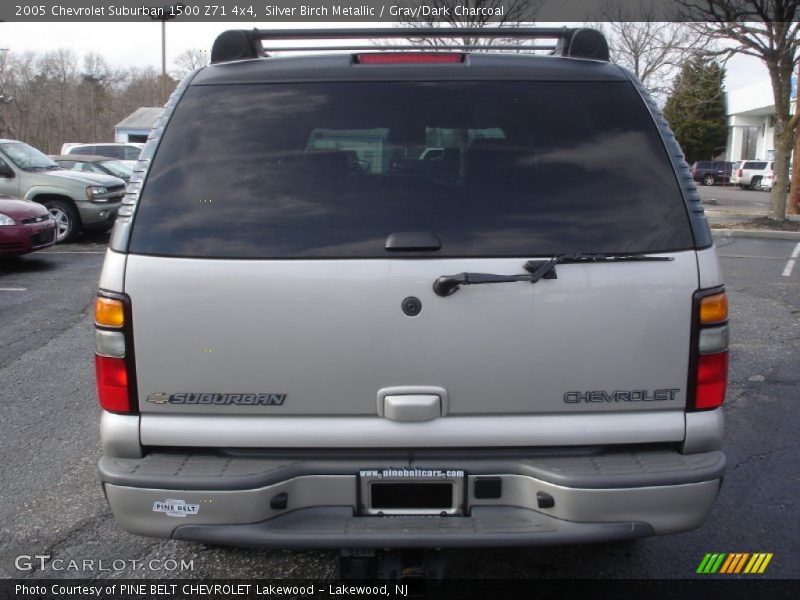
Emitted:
<point x="262" y="263"/>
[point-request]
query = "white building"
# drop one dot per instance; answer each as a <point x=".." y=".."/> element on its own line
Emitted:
<point x="136" y="126"/>
<point x="751" y="121"/>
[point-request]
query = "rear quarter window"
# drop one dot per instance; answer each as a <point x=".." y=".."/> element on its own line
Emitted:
<point x="330" y="170"/>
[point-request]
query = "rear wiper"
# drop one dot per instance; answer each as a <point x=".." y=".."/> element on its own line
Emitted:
<point x="447" y="285"/>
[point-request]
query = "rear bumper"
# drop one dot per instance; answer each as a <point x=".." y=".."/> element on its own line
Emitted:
<point x="336" y="528"/>
<point x="231" y="500"/>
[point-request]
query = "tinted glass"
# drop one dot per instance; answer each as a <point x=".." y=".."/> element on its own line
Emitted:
<point x="117" y="168"/>
<point x="332" y="169"/>
<point x="83" y="150"/>
<point x="132" y="153"/>
<point x="27" y="157"/>
<point x="111" y="151"/>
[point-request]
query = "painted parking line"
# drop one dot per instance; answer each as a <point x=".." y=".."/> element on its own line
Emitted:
<point x="72" y="252"/>
<point x="756" y="256"/>
<point x="787" y="270"/>
<point x="13" y="289"/>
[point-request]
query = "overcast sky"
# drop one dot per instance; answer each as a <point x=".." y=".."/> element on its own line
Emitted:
<point x="139" y="44"/>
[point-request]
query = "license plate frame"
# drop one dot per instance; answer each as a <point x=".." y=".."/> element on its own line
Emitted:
<point x="411" y="491"/>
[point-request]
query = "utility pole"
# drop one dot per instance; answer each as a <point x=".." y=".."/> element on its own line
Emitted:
<point x="794" y="190"/>
<point x="166" y="13"/>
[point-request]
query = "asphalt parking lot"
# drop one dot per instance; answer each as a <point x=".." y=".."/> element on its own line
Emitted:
<point x="729" y="203"/>
<point x="51" y="503"/>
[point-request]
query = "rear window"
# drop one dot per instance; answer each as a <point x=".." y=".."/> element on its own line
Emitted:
<point x="330" y="170"/>
<point x="82" y="150"/>
<point x="111" y="151"/>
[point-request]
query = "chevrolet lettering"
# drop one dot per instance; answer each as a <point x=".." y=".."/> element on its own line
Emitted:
<point x="621" y="396"/>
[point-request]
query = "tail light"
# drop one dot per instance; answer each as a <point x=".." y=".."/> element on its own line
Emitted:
<point x="739" y="173"/>
<point x="113" y="353"/>
<point x="708" y="363"/>
<point x="112" y="383"/>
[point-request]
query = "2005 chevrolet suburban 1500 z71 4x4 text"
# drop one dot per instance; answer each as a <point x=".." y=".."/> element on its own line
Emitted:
<point x="300" y="343"/>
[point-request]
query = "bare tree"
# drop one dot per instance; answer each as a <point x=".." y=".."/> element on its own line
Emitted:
<point x="142" y="87"/>
<point x="770" y="31"/>
<point x="57" y="75"/>
<point x="50" y="98"/>
<point x="5" y="97"/>
<point x="654" y="51"/>
<point x="189" y="60"/>
<point x="93" y="94"/>
<point x="471" y="13"/>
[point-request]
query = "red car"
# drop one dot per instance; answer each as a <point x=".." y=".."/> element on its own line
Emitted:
<point x="24" y="227"/>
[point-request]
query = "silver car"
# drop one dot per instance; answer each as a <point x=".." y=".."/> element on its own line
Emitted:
<point x="521" y="343"/>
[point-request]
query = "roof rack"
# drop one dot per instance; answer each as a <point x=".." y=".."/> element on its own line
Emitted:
<point x="242" y="44"/>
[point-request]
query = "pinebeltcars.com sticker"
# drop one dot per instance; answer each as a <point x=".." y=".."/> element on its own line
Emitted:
<point x="723" y="563"/>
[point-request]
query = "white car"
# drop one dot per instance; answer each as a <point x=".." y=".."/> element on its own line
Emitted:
<point x="127" y="151"/>
<point x="749" y="174"/>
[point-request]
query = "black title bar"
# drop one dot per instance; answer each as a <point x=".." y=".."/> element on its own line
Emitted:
<point x="344" y="11"/>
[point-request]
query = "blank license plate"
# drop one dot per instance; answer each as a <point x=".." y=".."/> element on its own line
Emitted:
<point x="411" y="491"/>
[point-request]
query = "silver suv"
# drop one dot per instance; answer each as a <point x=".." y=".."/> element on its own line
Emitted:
<point x="519" y="344"/>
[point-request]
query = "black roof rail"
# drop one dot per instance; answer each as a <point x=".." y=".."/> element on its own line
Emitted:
<point x="241" y="44"/>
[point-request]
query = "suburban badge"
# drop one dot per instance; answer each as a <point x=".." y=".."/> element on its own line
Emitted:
<point x="219" y="399"/>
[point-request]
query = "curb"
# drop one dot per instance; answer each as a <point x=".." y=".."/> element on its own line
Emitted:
<point x="767" y="234"/>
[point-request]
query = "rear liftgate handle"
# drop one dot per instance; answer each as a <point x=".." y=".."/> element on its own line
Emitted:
<point x="412" y="403"/>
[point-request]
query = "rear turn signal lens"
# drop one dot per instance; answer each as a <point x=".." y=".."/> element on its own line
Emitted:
<point x="712" y="376"/>
<point x="112" y="383"/>
<point x="714" y="309"/>
<point x="109" y="312"/>
<point x="409" y="58"/>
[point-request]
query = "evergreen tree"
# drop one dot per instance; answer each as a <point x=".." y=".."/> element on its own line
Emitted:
<point x="696" y="109"/>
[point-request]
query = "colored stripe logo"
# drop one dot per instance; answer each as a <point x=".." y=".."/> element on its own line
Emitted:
<point x="734" y="563"/>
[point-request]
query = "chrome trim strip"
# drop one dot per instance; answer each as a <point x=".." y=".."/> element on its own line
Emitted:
<point x="220" y="431"/>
